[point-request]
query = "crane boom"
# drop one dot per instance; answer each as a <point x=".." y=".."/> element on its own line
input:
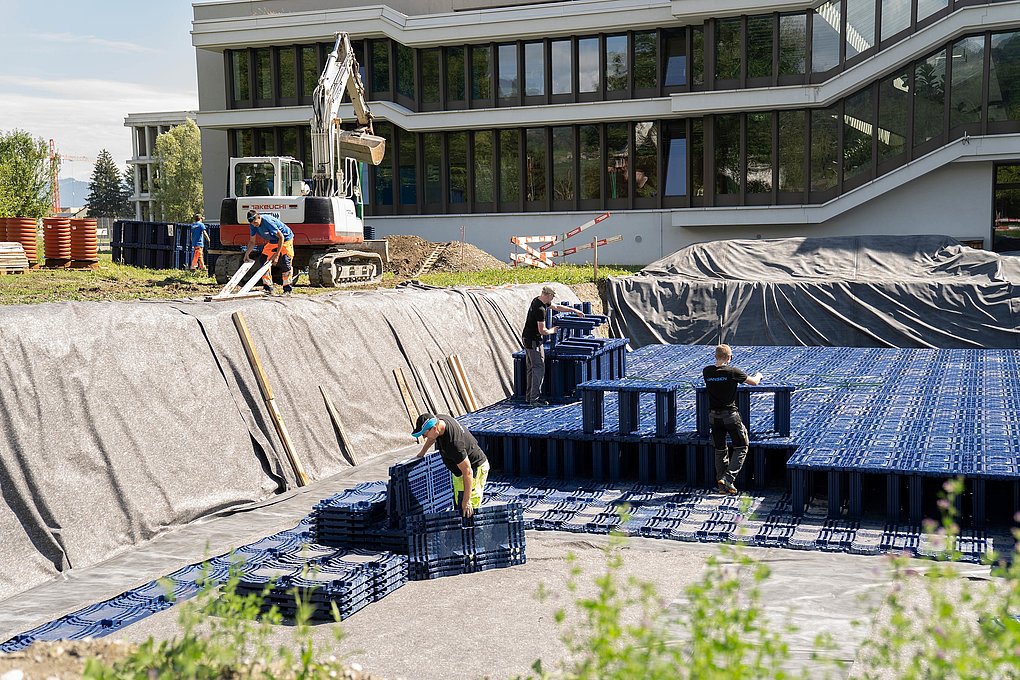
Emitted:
<point x="329" y="142"/>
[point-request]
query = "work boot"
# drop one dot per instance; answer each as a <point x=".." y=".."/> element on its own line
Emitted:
<point x="268" y="290"/>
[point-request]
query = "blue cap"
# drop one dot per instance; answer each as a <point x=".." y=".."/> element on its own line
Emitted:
<point x="426" y="422"/>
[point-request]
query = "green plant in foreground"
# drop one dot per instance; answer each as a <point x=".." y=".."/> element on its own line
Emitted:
<point x="935" y="623"/>
<point x="224" y="635"/>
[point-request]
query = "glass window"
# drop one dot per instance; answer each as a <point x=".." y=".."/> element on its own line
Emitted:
<point x="925" y="8"/>
<point x="405" y="71"/>
<point x="591" y="162"/>
<point x="432" y="146"/>
<point x="266" y="142"/>
<point x="727" y="49"/>
<point x="645" y="45"/>
<point x="617" y="63"/>
<point x="857" y="134"/>
<point x="646" y="160"/>
<point x="1006" y="232"/>
<point x="674" y="56"/>
<point x="263" y="74"/>
<point x="380" y="66"/>
<point x="457" y="158"/>
<point x="407" y="167"/>
<point x="895" y="17"/>
<point x="535" y="187"/>
<point x="562" y="67"/>
<point x="893" y="102"/>
<point x="239" y="68"/>
<point x="727" y="154"/>
<point x="860" y="26"/>
<point x="676" y="159"/>
<point x="824" y="148"/>
<point x="288" y="73"/>
<point x="790" y="150"/>
<point x="455" y="74"/>
<point x="534" y="69"/>
<point x="563" y="163"/>
<point x="289" y="144"/>
<point x="384" y="172"/>
<point x="429" y="75"/>
<point x="1004" y="77"/>
<point x="758" y="176"/>
<point x="509" y="166"/>
<point x="825" y="37"/>
<point x="588" y="64"/>
<point x="483" y="165"/>
<point x="759" y="46"/>
<point x="697" y="151"/>
<point x="617" y="147"/>
<point x="245" y="140"/>
<point x="310" y="70"/>
<point x="698" y="56"/>
<point x="967" y="83"/>
<point x="481" y="72"/>
<point x="508" y="81"/>
<point x="929" y="97"/>
<point x="792" y="44"/>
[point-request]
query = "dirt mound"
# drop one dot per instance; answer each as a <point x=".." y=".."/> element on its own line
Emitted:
<point x="407" y="253"/>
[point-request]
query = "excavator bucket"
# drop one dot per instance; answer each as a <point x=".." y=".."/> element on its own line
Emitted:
<point x="362" y="147"/>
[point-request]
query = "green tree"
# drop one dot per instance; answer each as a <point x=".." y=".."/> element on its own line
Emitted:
<point x="25" y="173"/>
<point x="178" y="188"/>
<point x="106" y="194"/>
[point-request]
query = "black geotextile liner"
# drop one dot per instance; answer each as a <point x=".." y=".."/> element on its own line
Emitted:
<point x="118" y="420"/>
<point x="862" y="291"/>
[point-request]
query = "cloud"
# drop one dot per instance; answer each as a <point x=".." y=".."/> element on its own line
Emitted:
<point x="74" y="38"/>
<point x="84" y="116"/>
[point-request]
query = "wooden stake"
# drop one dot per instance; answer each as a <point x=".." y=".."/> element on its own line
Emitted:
<point x="267" y="397"/>
<point x="405" y="394"/>
<point x="467" y="383"/>
<point x="462" y="385"/>
<point x="345" y="445"/>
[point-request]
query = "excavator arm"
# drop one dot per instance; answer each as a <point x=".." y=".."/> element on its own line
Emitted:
<point x="330" y="142"/>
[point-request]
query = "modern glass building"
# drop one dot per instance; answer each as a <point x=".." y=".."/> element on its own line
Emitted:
<point x="145" y="127"/>
<point x="688" y="120"/>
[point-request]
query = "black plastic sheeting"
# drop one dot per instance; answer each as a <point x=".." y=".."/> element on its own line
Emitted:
<point x="862" y="291"/>
<point x="120" y="420"/>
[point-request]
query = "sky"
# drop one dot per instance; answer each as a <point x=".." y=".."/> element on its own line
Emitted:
<point x="74" y="69"/>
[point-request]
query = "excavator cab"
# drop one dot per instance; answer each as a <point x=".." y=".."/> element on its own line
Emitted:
<point x="266" y="176"/>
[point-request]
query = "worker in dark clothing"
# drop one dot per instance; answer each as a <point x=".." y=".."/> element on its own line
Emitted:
<point x="279" y="247"/>
<point x="721" y="380"/>
<point x="533" y="338"/>
<point x="463" y="457"/>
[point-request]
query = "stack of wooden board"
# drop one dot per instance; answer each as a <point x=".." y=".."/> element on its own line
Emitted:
<point x="12" y="258"/>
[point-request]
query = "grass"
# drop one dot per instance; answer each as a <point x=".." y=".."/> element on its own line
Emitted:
<point x="112" y="281"/>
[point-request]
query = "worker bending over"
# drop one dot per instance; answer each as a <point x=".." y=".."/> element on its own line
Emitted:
<point x="460" y="452"/>
<point x="279" y="248"/>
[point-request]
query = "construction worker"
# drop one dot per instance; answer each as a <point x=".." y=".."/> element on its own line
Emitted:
<point x="721" y="380"/>
<point x="279" y="248"/>
<point x="460" y="452"/>
<point x="199" y="239"/>
<point x="533" y="338"/>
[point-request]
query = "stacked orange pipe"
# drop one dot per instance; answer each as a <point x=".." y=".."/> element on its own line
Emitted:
<point x="84" y="242"/>
<point x="57" y="241"/>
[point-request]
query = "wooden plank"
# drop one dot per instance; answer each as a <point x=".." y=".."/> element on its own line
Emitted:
<point x="409" y="406"/>
<point x="467" y="383"/>
<point x="345" y="444"/>
<point x="267" y="396"/>
<point x="452" y="385"/>
<point x="451" y="405"/>
<point x="461" y="386"/>
<point x="431" y="405"/>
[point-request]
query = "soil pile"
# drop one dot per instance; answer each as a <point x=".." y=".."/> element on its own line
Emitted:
<point x="407" y="253"/>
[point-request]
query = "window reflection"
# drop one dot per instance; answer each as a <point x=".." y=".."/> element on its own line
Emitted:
<point x="645" y="49"/>
<point x="563" y="163"/>
<point x="509" y="166"/>
<point x="792" y="44"/>
<point x="429" y="75"/>
<point x="384" y="172"/>
<point x="675" y="57"/>
<point x="617" y="156"/>
<point x="455" y="74"/>
<point x="929" y="97"/>
<point x="727" y="154"/>
<point x="857" y="134"/>
<point x="534" y="69"/>
<point x="676" y="159"/>
<point x="895" y="17"/>
<point x="481" y="72"/>
<point x="727" y="49"/>
<point x="925" y="8"/>
<point x="407" y="167"/>
<point x="968" y="81"/>
<point x="508" y="80"/>
<point x="288" y="73"/>
<point x="617" y="63"/>
<point x="1003" y="78"/>
<point x="860" y="26"/>
<point x="239" y="61"/>
<point x="380" y="66"/>
<point x="790" y="151"/>
<point x="535" y="164"/>
<point x="893" y="103"/>
<point x="759" y="46"/>
<point x="824" y="149"/>
<point x="588" y="65"/>
<point x="646" y="160"/>
<point x="562" y="67"/>
<point x="310" y="70"/>
<point x="457" y="164"/>
<point x="825" y="37"/>
<point x="432" y="146"/>
<point x="759" y="153"/>
<point x="405" y="71"/>
<point x="263" y="75"/>
<point x="591" y="162"/>
<point x="483" y="166"/>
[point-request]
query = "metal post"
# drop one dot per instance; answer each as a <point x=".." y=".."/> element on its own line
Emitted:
<point x="595" y="259"/>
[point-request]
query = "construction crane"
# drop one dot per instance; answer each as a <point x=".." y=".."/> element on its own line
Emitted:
<point x="328" y="217"/>
<point x="54" y="180"/>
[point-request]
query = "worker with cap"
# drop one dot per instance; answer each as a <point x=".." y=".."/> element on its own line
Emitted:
<point x="199" y="238"/>
<point x="279" y="247"/>
<point x="533" y="338"/>
<point x="461" y="454"/>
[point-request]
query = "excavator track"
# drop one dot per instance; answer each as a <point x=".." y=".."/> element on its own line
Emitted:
<point x="340" y="268"/>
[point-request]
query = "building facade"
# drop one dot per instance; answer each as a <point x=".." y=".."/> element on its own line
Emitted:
<point x="145" y="127"/>
<point x="688" y="120"/>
